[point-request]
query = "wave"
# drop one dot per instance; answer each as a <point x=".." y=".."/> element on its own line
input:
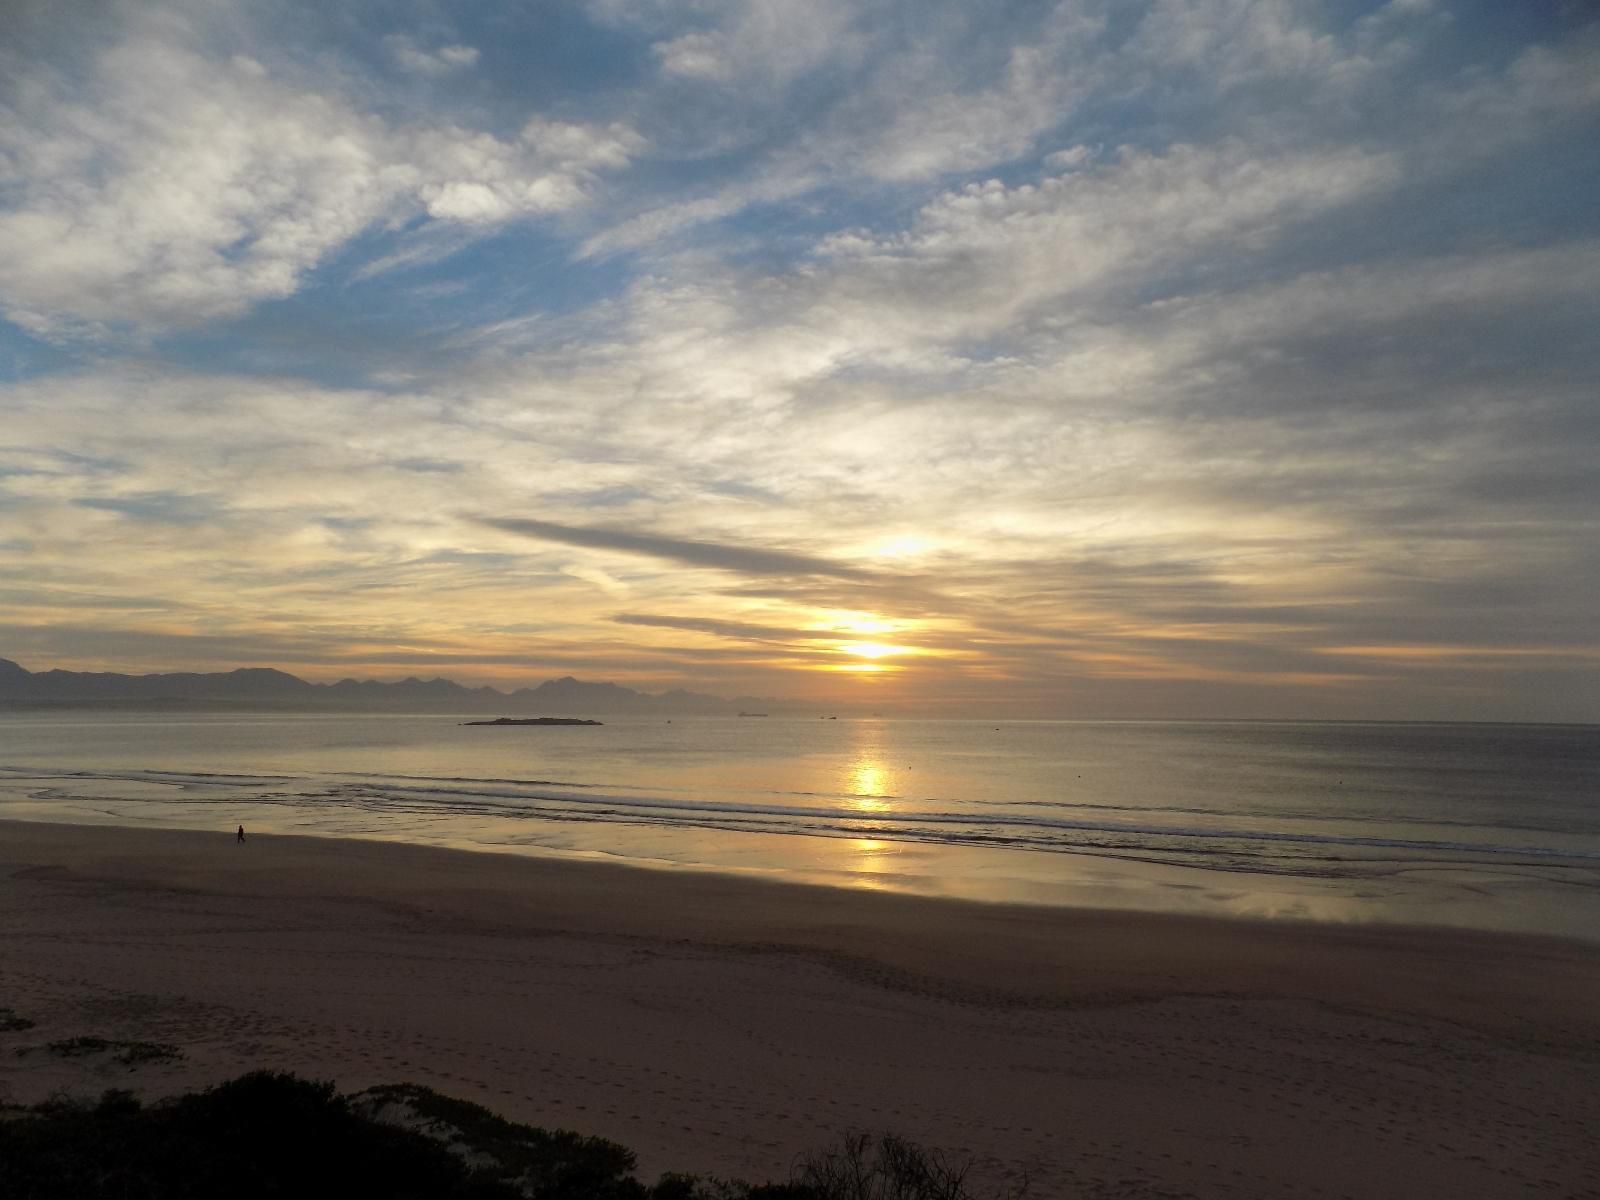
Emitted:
<point x="1007" y="830"/>
<point x="1238" y="843"/>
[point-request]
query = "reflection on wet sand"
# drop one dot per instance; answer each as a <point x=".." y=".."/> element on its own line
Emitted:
<point x="872" y="863"/>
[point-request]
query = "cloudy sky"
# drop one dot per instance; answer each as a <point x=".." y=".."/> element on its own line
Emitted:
<point x="1076" y="357"/>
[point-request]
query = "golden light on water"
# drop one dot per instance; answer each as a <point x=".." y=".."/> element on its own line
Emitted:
<point x="869" y="784"/>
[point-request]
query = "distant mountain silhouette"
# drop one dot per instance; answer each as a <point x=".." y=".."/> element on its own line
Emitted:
<point x="256" y="688"/>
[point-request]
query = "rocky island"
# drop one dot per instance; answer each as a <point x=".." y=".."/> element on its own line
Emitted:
<point x="534" y="721"/>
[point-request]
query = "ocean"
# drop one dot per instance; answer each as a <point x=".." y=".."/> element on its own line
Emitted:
<point x="1477" y="825"/>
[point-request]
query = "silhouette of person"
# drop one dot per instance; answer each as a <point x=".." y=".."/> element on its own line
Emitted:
<point x="241" y="833"/>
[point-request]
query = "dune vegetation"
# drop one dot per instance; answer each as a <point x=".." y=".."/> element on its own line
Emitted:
<point x="276" y="1135"/>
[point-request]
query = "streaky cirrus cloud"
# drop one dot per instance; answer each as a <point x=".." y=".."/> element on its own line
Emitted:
<point x="721" y="556"/>
<point x="736" y="630"/>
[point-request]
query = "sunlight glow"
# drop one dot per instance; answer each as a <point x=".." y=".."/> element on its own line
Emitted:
<point x="874" y="649"/>
<point x="902" y="547"/>
<point x="856" y="622"/>
<point x="867" y="626"/>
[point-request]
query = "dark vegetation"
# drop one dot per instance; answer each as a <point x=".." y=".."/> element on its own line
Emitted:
<point x="10" y="1022"/>
<point x="273" y="1135"/>
<point x="260" y="1136"/>
<point x="884" y="1168"/>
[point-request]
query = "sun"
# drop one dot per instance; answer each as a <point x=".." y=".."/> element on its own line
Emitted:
<point x="909" y="546"/>
<point x="872" y="649"/>
<point x="859" y="623"/>
<point x="857" y="642"/>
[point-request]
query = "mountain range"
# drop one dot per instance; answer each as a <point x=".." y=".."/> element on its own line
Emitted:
<point x="264" y="688"/>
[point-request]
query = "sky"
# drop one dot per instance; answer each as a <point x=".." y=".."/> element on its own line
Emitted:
<point x="1091" y="358"/>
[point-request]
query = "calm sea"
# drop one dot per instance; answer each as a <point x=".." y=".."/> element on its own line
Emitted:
<point x="1494" y="826"/>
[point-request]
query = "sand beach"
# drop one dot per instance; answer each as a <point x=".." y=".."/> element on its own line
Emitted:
<point x="719" y="1024"/>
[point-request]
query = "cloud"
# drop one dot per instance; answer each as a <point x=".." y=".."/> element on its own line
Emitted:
<point x="736" y="630"/>
<point x="440" y="61"/>
<point x="979" y="258"/>
<point x="966" y="90"/>
<point x="765" y="40"/>
<point x="166" y="188"/>
<point x="160" y="507"/>
<point x="744" y="560"/>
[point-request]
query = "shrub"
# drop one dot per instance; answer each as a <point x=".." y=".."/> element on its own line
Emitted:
<point x="544" y="1165"/>
<point x="862" y="1167"/>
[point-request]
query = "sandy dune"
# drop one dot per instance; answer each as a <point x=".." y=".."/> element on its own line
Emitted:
<point x="725" y="1025"/>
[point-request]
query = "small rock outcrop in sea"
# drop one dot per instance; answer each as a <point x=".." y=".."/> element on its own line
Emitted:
<point x="534" y="721"/>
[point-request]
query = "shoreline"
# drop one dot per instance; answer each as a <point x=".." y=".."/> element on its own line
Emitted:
<point x="1537" y="896"/>
<point x="554" y="894"/>
<point x="694" y="1014"/>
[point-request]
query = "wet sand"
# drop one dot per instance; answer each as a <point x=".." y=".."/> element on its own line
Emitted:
<point x="721" y="1024"/>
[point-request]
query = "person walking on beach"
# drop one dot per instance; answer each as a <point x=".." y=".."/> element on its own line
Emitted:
<point x="241" y="833"/>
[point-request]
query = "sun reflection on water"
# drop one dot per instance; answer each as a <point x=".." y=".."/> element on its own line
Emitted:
<point x="869" y="785"/>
